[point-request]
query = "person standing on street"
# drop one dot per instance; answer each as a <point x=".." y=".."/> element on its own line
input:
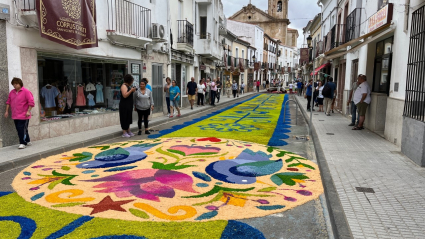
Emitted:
<point x="362" y="100"/>
<point x="309" y="94"/>
<point x="143" y="104"/>
<point x="290" y="88"/>
<point x="300" y="88"/>
<point x="208" y="91"/>
<point x="235" y="89"/>
<point x="213" y="91"/>
<point x="149" y="87"/>
<point x="191" y="91"/>
<point x="174" y="98"/>
<point x="167" y="93"/>
<point x="267" y="84"/>
<point x="218" y="89"/>
<point x="242" y="87"/>
<point x="201" y="91"/>
<point x="329" y="89"/>
<point x="319" y="89"/>
<point x="258" y="85"/>
<point x="228" y="88"/>
<point x="126" y="105"/>
<point x="353" y="105"/>
<point x="21" y="101"/>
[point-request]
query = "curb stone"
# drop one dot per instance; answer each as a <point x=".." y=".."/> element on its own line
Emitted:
<point x="339" y="222"/>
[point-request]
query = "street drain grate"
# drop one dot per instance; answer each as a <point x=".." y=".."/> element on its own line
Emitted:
<point x="365" y="190"/>
<point x="330" y="133"/>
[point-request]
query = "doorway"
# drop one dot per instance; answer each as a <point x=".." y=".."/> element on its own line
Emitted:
<point x="157" y="84"/>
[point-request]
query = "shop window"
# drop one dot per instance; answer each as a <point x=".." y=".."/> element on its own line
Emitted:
<point x="382" y="3"/>
<point x="382" y="69"/>
<point x="72" y="86"/>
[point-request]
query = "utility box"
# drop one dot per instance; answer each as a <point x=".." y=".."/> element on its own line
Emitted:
<point x="4" y="12"/>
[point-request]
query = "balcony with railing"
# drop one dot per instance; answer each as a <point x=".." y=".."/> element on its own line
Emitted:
<point x="129" y="23"/>
<point x="184" y="36"/>
<point x="352" y="29"/>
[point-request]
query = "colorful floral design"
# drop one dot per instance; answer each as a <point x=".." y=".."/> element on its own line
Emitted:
<point x="228" y="127"/>
<point x="147" y="184"/>
<point x="173" y="179"/>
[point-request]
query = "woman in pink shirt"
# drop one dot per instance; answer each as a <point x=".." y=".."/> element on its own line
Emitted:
<point x="21" y="101"/>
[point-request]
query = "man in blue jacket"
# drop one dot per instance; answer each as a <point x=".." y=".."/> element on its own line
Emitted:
<point x="300" y="88"/>
<point x="328" y="98"/>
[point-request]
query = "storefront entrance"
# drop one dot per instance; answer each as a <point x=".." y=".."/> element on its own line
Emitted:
<point x="157" y="87"/>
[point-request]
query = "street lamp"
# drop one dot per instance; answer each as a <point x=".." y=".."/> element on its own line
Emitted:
<point x="309" y="41"/>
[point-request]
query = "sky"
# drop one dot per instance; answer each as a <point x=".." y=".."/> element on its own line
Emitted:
<point x="300" y="12"/>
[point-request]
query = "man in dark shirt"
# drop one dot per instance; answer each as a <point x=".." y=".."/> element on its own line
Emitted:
<point x="191" y="91"/>
<point x="328" y="99"/>
<point x="218" y="89"/>
<point x="300" y="88"/>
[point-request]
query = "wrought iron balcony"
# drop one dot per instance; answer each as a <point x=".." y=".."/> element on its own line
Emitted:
<point x="128" y="23"/>
<point x="27" y="5"/>
<point x="184" y="36"/>
<point x="352" y="30"/>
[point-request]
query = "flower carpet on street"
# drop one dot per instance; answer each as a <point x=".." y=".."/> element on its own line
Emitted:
<point x="258" y="120"/>
<point x="180" y="187"/>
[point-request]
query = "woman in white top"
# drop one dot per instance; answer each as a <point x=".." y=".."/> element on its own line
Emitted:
<point x="201" y="90"/>
<point x="320" y="96"/>
<point x="242" y="87"/>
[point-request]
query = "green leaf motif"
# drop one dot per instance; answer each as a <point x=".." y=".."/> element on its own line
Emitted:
<point x="268" y="189"/>
<point x="82" y="157"/>
<point x="270" y="149"/>
<point x="300" y="165"/>
<point x="100" y="147"/>
<point x="287" y="178"/>
<point x="139" y="213"/>
<point x="66" y="168"/>
<point x="217" y="189"/>
<point x="171" y="166"/>
<point x="159" y="150"/>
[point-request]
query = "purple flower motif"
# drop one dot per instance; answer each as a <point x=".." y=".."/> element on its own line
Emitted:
<point x="47" y="169"/>
<point x="34" y="188"/>
<point x="212" y="208"/>
<point x="38" y="166"/>
<point x="26" y="178"/>
<point x="262" y="201"/>
<point x="291" y="199"/>
<point x="304" y="192"/>
<point x="149" y="184"/>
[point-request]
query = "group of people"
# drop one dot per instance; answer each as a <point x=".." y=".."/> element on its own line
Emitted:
<point x="323" y="95"/>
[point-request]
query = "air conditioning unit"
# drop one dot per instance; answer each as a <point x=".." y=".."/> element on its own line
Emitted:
<point x="158" y="31"/>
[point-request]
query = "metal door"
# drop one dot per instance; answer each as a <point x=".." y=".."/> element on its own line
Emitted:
<point x="157" y="90"/>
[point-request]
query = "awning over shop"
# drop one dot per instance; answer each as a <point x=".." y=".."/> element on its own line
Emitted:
<point x="315" y="72"/>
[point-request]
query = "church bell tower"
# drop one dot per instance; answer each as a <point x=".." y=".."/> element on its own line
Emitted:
<point x="278" y="9"/>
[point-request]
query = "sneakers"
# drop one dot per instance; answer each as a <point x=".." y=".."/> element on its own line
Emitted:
<point x="191" y="107"/>
<point x="126" y="135"/>
<point x="168" y="115"/>
<point x="147" y="132"/>
<point x="131" y="134"/>
<point x="328" y="114"/>
<point x="140" y="133"/>
<point x="29" y="143"/>
<point x="22" y="146"/>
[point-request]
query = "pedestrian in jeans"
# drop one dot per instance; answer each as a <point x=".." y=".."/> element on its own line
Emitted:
<point x="228" y="88"/>
<point x="309" y="94"/>
<point x="201" y="90"/>
<point x="213" y="91"/>
<point x="329" y="98"/>
<point x="21" y="101"/>
<point x="300" y="88"/>
<point x="191" y="91"/>
<point x="167" y="94"/>
<point x="353" y="105"/>
<point x="143" y="104"/>
<point x="235" y="89"/>
<point x="174" y="98"/>
<point x="242" y="87"/>
<point x="126" y="105"/>
<point x="208" y="91"/>
<point x="218" y="89"/>
<point x="319" y="89"/>
<point x="362" y="100"/>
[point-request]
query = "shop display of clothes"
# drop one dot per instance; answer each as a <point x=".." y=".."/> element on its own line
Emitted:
<point x="99" y="93"/>
<point x="49" y="94"/>
<point x="90" y="87"/>
<point x="62" y="101"/>
<point x="81" y="99"/>
<point x="90" y="97"/>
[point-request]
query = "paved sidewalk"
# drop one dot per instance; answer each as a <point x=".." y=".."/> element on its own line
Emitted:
<point x="364" y="159"/>
<point x="11" y="157"/>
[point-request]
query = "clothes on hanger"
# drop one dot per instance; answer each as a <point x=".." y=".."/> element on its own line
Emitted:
<point x="81" y="100"/>
<point x="62" y="101"/>
<point x="69" y="99"/>
<point x="90" y="87"/>
<point x="90" y="97"/>
<point x="99" y="93"/>
<point x="49" y="94"/>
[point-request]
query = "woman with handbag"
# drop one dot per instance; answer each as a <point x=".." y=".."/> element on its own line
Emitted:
<point x="143" y="104"/>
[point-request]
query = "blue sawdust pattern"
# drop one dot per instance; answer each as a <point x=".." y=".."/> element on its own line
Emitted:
<point x="70" y="227"/>
<point x="281" y="128"/>
<point x="239" y="230"/>
<point x="194" y="121"/>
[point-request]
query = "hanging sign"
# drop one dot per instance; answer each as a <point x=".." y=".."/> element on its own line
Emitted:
<point x="68" y="22"/>
<point x="381" y="17"/>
